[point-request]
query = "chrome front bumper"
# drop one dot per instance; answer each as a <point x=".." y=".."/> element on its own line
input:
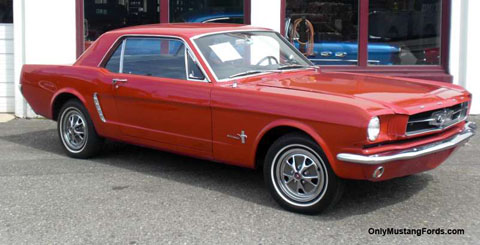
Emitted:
<point x="467" y="132"/>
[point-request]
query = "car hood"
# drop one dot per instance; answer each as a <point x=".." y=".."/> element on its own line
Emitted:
<point x="402" y="95"/>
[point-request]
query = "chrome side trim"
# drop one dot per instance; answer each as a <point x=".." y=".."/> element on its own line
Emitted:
<point x="467" y="132"/>
<point x="98" y="107"/>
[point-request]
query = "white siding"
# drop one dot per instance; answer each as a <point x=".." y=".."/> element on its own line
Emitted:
<point x="7" y="91"/>
<point x="266" y="13"/>
<point x="44" y="33"/>
<point x="465" y="48"/>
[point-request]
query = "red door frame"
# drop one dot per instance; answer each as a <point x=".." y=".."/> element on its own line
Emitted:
<point x="164" y="18"/>
<point x="433" y="72"/>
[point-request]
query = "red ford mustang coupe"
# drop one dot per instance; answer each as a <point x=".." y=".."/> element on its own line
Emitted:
<point x="245" y="96"/>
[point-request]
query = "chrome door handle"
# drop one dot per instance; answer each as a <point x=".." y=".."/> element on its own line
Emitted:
<point x="117" y="80"/>
<point x="341" y="54"/>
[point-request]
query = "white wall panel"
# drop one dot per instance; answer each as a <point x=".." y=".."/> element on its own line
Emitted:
<point x="50" y="34"/>
<point x="7" y="92"/>
<point x="464" y="48"/>
<point x="44" y="33"/>
<point x="266" y="13"/>
<point x="7" y="104"/>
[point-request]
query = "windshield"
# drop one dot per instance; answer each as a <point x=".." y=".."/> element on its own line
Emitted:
<point x="237" y="54"/>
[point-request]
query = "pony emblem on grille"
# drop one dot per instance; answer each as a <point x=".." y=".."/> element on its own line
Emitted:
<point x="442" y="118"/>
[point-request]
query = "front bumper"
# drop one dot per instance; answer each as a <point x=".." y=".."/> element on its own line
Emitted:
<point x="467" y="132"/>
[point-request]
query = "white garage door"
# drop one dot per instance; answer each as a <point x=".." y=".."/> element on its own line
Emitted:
<point x="7" y="92"/>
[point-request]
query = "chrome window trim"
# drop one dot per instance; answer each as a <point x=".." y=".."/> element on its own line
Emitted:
<point x="125" y="36"/>
<point x="189" y="54"/>
<point x="192" y="39"/>
<point x="122" y="53"/>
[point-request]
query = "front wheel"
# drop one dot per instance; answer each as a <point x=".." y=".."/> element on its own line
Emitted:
<point x="76" y="131"/>
<point x="299" y="177"/>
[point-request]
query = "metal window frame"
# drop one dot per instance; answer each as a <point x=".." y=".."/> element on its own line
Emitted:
<point x="121" y="40"/>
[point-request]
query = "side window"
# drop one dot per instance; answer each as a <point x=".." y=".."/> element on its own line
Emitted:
<point x="113" y="63"/>
<point x="158" y="57"/>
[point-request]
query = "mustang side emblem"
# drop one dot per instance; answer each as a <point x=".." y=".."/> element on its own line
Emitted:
<point x="242" y="136"/>
<point x="442" y="118"/>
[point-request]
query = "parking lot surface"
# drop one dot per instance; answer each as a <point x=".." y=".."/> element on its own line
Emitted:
<point x="134" y="195"/>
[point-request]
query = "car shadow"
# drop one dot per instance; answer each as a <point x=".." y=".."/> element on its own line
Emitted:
<point x="360" y="197"/>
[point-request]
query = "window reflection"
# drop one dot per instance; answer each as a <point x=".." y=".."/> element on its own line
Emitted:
<point x="105" y="15"/>
<point x="325" y="31"/>
<point x="6" y="11"/>
<point x="219" y="11"/>
<point x="411" y="25"/>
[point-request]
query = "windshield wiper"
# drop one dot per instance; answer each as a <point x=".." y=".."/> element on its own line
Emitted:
<point x="293" y="66"/>
<point x="245" y="73"/>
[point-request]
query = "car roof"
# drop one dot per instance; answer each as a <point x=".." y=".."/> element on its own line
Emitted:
<point x="99" y="49"/>
<point x="185" y="30"/>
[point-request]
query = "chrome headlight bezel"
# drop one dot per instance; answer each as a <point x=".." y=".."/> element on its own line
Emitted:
<point x="373" y="129"/>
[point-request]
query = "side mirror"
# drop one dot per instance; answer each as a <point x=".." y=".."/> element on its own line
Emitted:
<point x="191" y="75"/>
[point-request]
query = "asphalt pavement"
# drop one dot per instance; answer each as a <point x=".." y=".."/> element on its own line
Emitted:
<point x="134" y="195"/>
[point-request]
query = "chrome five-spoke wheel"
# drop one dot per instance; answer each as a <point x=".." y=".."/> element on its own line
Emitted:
<point x="299" y="176"/>
<point x="74" y="132"/>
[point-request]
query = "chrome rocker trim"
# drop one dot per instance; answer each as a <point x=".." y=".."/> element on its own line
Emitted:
<point x="467" y="132"/>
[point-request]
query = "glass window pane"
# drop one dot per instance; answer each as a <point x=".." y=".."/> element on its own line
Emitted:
<point x="404" y="32"/>
<point x="238" y="54"/>
<point x="6" y="11"/>
<point x="113" y="63"/>
<point x="326" y="31"/>
<point x="219" y="11"/>
<point x="194" y="71"/>
<point x="105" y="15"/>
<point x="158" y="57"/>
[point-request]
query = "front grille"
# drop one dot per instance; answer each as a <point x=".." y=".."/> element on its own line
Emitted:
<point x="437" y="119"/>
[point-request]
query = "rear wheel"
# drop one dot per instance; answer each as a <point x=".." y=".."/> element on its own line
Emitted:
<point x="76" y="131"/>
<point x="299" y="177"/>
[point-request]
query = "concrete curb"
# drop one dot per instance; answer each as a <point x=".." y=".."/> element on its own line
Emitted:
<point x="4" y="117"/>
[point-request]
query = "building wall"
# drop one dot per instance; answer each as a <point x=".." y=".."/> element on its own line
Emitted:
<point x="266" y="13"/>
<point x="465" y="48"/>
<point x="7" y="92"/>
<point x="45" y="33"/>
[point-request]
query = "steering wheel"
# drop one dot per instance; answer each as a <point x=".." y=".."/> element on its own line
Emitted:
<point x="269" y="58"/>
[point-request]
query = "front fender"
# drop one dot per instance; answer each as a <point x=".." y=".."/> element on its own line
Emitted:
<point x="309" y="130"/>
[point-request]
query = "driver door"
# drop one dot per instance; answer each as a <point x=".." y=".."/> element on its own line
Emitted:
<point x="156" y="99"/>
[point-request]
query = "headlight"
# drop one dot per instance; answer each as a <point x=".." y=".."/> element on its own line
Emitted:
<point x="373" y="129"/>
